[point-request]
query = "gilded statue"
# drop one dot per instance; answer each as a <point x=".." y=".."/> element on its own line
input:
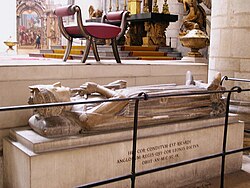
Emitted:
<point x="86" y="117"/>
<point x="195" y="15"/>
<point x="94" y="13"/>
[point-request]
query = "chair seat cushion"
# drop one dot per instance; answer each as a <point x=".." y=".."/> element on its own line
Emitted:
<point x="102" y="30"/>
<point x="74" y="31"/>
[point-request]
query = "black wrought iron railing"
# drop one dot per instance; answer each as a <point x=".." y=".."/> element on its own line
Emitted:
<point x="144" y="96"/>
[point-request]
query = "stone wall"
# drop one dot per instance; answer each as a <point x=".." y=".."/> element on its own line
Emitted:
<point x="8" y="22"/>
<point x="230" y="40"/>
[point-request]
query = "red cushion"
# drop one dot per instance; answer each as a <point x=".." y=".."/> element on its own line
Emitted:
<point x="102" y="30"/>
<point x="74" y="31"/>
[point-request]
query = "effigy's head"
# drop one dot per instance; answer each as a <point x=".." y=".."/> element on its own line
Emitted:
<point x="49" y="94"/>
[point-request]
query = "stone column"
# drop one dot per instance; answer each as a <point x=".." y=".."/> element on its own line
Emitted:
<point x="230" y="48"/>
<point x="230" y="39"/>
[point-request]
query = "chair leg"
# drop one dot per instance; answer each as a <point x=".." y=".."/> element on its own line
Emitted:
<point x="115" y="50"/>
<point x="67" y="51"/>
<point x="95" y="51"/>
<point x="86" y="51"/>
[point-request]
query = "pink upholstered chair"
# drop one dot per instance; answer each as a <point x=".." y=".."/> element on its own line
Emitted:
<point x="92" y="30"/>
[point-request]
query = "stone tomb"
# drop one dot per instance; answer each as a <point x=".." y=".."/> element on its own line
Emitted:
<point x="33" y="161"/>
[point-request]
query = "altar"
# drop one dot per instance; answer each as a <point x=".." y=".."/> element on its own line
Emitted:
<point x="148" y="29"/>
<point x="146" y="24"/>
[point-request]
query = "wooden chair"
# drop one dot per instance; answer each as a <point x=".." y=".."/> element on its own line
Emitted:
<point x="92" y="30"/>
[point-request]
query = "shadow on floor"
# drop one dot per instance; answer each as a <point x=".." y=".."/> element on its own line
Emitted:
<point x="240" y="179"/>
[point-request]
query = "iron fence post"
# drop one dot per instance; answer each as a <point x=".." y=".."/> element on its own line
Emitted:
<point x="223" y="157"/>
<point x="133" y="170"/>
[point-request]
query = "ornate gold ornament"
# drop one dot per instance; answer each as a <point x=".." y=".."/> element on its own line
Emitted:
<point x="94" y="13"/>
<point x="155" y="7"/>
<point x="134" y="6"/>
<point x="193" y="30"/>
<point x="145" y="6"/>
<point x="165" y="9"/>
<point x="196" y="40"/>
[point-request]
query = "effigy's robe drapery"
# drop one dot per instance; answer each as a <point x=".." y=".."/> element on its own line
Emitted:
<point x="166" y="109"/>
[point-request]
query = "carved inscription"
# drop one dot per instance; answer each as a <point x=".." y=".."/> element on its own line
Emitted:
<point x="158" y="153"/>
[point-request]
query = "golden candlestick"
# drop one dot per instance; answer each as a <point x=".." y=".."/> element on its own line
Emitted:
<point x="110" y="6"/>
<point x="165" y="9"/>
<point x="155" y="7"/>
<point x="125" y="5"/>
<point x="145" y="6"/>
<point x="117" y="5"/>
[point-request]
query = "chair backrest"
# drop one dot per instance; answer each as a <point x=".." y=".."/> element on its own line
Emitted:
<point x="114" y="16"/>
<point x="66" y="11"/>
<point x="117" y="18"/>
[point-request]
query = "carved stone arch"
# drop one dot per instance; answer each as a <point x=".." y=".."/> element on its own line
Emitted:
<point x="35" y="7"/>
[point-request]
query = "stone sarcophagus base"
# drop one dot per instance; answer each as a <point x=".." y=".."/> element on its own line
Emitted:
<point x="33" y="161"/>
